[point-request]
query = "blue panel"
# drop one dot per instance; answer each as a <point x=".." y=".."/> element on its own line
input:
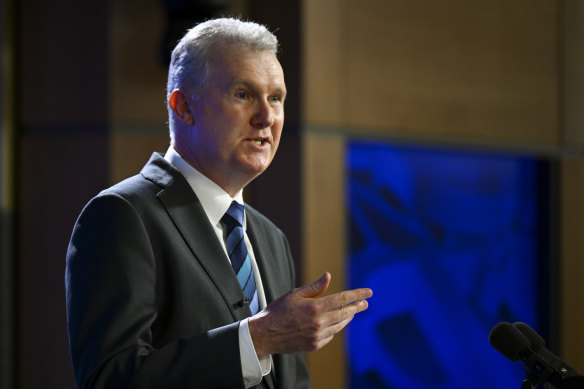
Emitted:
<point x="449" y="242"/>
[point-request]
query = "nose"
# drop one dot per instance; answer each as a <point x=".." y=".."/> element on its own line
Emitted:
<point x="264" y="116"/>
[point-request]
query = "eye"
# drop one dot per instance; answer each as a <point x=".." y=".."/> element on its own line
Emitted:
<point x="241" y="95"/>
<point x="275" y="99"/>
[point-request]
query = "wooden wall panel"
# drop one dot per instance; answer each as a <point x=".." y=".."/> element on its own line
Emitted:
<point x="61" y="64"/>
<point x="137" y="86"/>
<point x="131" y="150"/>
<point x="60" y="108"/>
<point x="480" y="70"/>
<point x="322" y="61"/>
<point x="572" y="185"/>
<point x="137" y="69"/>
<point x="324" y="241"/>
<point x="66" y="171"/>
<point x="572" y="98"/>
<point x="572" y="265"/>
<point x="7" y="196"/>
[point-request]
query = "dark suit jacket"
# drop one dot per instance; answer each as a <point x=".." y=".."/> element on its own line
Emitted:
<point x="152" y="301"/>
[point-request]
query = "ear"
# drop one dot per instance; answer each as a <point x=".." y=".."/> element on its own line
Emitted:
<point x="178" y="103"/>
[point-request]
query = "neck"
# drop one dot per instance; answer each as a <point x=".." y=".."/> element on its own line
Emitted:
<point x="231" y="184"/>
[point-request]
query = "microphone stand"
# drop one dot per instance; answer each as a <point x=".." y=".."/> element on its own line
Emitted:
<point x="573" y="382"/>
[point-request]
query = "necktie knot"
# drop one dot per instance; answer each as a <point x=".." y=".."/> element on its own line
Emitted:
<point x="234" y="215"/>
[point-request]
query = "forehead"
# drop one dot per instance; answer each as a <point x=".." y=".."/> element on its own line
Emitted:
<point x="231" y="64"/>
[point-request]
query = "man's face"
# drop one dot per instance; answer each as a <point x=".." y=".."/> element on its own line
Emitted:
<point x="238" y="116"/>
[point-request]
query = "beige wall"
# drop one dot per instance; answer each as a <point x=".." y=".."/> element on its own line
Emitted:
<point x="137" y="108"/>
<point x="572" y="184"/>
<point x="323" y="237"/>
<point x="481" y="70"/>
<point x="488" y="74"/>
<point x="572" y="268"/>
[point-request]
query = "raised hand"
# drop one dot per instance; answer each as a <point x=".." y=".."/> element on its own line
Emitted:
<point x="301" y="321"/>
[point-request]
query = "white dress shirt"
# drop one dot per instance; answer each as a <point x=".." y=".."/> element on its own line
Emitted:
<point x="215" y="202"/>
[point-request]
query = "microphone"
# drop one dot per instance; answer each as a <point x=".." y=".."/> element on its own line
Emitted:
<point x="537" y="341"/>
<point x="518" y="341"/>
<point x="508" y="340"/>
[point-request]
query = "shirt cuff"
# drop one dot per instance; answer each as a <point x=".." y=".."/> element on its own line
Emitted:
<point x="253" y="369"/>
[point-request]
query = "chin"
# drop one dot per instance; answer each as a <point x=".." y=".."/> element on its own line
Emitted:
<point x="257" y="171"/>
<point x="255" y="167"/>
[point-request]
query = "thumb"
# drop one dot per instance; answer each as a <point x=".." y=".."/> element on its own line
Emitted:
<point x="315" y="288"/>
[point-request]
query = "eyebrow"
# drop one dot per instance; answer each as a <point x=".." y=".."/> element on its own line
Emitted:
<point x="252" y="87"/>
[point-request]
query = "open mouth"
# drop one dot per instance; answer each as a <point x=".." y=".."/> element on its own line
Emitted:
<point x="259" y="142"/>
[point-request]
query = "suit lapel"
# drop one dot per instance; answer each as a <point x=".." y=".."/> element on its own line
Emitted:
<point x="262" y="255"/>
<point x="186" y="212"/>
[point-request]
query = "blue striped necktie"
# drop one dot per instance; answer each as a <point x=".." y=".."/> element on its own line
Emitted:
<point x="237" y="250"/>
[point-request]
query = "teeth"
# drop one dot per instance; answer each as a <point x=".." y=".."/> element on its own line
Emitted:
<point x="257" y="142"/>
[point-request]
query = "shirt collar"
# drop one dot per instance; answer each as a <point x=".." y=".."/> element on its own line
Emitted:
<point x="214" y="199"/>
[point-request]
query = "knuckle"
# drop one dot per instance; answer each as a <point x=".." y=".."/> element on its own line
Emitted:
<point x="312" y="309"/>
<point x="313" y="343"/>
<point x="315" y="326"/>
<point x="340" y="316"/>
<point x="345" y="313"/>
<point x="347" y="309"/>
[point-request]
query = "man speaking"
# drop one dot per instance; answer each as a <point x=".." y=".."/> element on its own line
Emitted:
<point x="171" y="280"/>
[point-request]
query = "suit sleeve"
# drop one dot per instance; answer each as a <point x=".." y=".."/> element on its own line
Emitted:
<point x="110" y="282"/>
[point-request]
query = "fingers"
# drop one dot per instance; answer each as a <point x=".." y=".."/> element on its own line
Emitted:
<point x="315" y="288"/>
<point x="343" y="314"/>
<point x="332" y="322"/>
<point x="338" y="327"/>
<point x="335" y="307"/>
<point x="346" y="297"/>
<point x="302" y="320"/>
<point x="328" y="333"/>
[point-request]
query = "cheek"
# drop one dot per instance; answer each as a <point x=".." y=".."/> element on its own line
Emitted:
<point x="277" y="135"/>
<point x="276" y="142"/>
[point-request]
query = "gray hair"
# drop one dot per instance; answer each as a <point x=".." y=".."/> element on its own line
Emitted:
<point x="190" y="58"/>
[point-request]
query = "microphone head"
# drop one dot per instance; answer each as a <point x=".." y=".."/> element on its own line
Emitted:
<point x="508" y="340"/>
<point x="537" y="342"/>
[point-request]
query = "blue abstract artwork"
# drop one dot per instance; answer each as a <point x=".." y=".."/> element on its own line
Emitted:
<point x="450" y="242"/>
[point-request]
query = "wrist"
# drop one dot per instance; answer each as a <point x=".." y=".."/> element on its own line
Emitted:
<point x="258" y="335"/>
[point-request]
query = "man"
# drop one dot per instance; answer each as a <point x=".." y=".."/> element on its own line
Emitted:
<point x="170" y="281"/>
